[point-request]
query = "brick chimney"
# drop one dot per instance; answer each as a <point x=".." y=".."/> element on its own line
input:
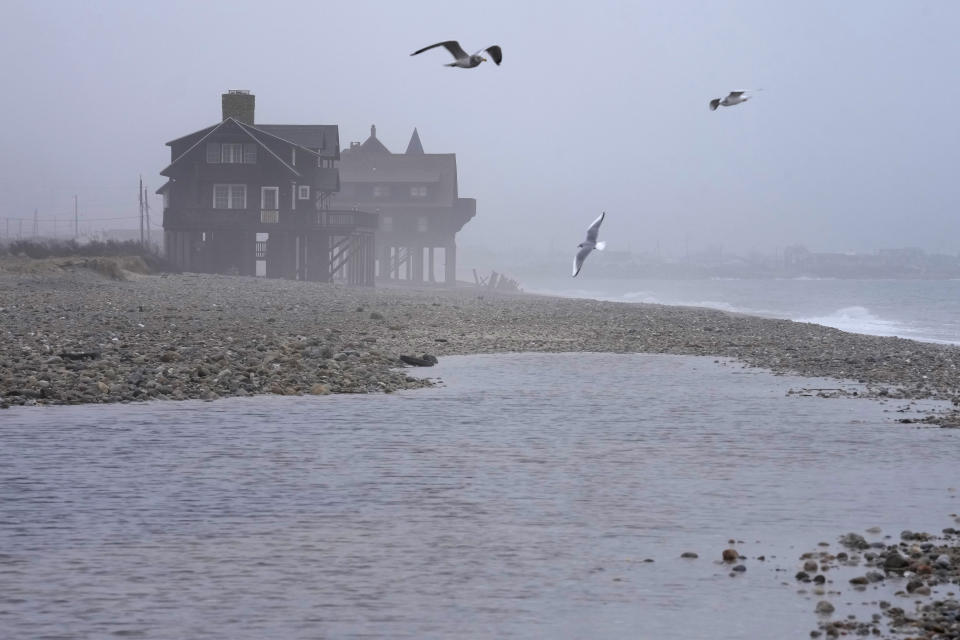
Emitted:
<point x="238" y="104"/>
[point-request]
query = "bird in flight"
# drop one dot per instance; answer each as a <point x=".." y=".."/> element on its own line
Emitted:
<point x="734" y="98"/>
<point x="463" y="59"/>
<point x="589" y="244"/>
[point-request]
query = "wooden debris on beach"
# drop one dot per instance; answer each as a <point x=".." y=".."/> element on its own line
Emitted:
<point x="496" y="281"/>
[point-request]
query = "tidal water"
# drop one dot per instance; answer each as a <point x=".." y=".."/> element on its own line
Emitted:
<point x="519" y="500"/>
<point x="927" y="310"/>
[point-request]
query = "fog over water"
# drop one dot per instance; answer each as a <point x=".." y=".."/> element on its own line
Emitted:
<point x="851" y="145"/>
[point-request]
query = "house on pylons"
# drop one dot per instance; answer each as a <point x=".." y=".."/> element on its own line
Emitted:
<point x="420" y="210"/>
<point x="257" y="199"/>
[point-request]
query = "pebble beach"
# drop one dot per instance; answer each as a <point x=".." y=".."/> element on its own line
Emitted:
<point x="80" y="332"/>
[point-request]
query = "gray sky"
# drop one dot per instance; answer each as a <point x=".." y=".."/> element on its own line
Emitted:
<point x="852" y="145"/>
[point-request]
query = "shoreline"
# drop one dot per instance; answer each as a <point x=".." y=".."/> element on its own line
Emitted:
<point x="72" y="335"/>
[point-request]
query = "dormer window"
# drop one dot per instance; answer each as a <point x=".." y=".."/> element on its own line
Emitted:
<point x="381" y="191"/>
<point x="418" y="192"/>
<point x="303" y="192"/>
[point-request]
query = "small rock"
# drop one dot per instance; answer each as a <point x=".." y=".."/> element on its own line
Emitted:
<point x="895" y="561"/>
<point x="854" y="541"/>
<point x="913" y="585"/>
<point x="810" y="565"/>
<point x="730" y="555"/>
<point x="739" y="568"/>
<point x="825" y="607"/>
<point x="689" y="554"/>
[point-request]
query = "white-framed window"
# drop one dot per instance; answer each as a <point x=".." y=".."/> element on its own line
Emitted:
<point x="386" y="223"/>
<point x="421" y="223"/>
<point x="231" y="152"/>
<point x="213" y="153"/>
<point x="229" y="196"/>
<point x="270" y="198"/>
<point x="381" y="191"/>
<point x="303" y="192"/>
<point x="418" y="192"/>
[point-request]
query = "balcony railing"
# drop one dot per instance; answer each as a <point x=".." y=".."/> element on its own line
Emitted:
<point x="267" y="220"/>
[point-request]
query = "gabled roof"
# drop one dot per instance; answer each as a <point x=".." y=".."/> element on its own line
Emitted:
<point x="325" y="137"/>
<point x="415" y="147"/>
<point x="371" y="144"/>
<point x="251" y="132"/>
<point x="204" y="131"/>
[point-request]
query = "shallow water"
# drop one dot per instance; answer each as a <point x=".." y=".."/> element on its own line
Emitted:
<point x="520" y="500"/>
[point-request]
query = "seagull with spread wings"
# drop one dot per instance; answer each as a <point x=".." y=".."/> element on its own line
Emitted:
<point x="733" y="98"/>
<point x="465" y="60"/>
<point x="589" y="244"/>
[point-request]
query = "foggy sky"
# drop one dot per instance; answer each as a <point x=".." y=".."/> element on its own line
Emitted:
<point x="852" y="145"/>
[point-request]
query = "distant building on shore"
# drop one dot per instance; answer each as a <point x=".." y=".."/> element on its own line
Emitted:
<point x="255" y="199"/>
<point x="420" y="210"/>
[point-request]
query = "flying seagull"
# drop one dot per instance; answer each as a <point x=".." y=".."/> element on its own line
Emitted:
<point x="589" y="244"/>
<point x="735" y="97"/>
<point x="463" y="59"/>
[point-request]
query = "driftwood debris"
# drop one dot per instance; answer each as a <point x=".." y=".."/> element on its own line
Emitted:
<point x="426" y="360"/>
<point x="496" y="281"/>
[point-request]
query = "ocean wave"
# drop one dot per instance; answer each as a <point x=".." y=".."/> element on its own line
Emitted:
<point x="859" y="320"/>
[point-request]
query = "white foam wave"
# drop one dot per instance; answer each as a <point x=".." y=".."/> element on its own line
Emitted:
<point x="859" y="320"/>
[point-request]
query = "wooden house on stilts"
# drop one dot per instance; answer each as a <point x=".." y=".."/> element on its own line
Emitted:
<point x="257" y="199"/>
<point x="416" y="198"/>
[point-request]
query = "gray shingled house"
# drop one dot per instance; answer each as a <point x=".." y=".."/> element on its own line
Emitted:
<point x="420" y="210"/>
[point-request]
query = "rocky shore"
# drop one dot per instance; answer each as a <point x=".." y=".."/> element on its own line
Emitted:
<point x="72" y="333"/>
<point x="921" y="570"/>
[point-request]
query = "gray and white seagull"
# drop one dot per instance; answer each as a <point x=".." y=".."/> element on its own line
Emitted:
<point x="733" y="98"/>
<point x="465" y="60"/>
<point x="589" y="244"/>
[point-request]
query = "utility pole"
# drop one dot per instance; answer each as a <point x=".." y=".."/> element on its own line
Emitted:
<point x="140" y="195"/>
<point x="146" y="210"/>
<point x="76" y="219"/>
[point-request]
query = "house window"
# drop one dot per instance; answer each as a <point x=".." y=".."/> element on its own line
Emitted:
<point x="421" y="223"/>
<point x="386" y="223"/>
<point x="270" y="198"/>
<point x="250" y="153"/>
<point x="213" y="152"/>
<point x="303" y="192"/>
<point x="381" y="191"/>
<point x="231" y="152"/>
<point x="229" y="196"/>
<point x="293" y="156"/>
<point x="418" y="192"/>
